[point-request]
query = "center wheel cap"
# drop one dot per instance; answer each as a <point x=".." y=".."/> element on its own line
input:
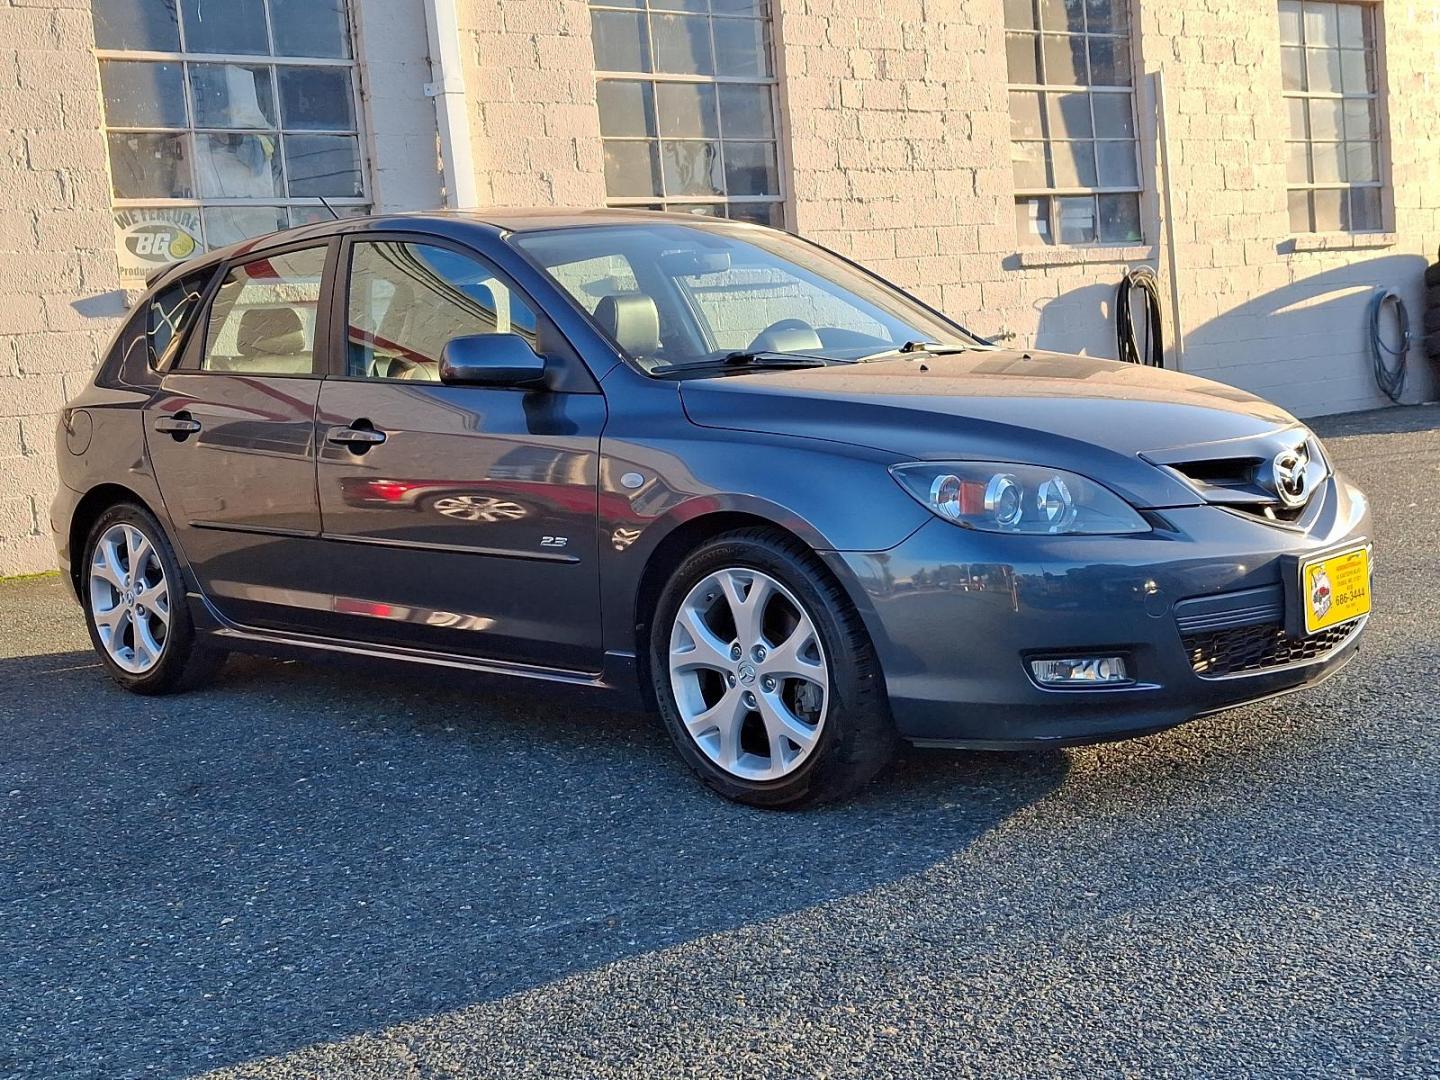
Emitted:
<point x="746" y="674"/>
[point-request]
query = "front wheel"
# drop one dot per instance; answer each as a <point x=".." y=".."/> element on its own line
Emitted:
<point x="765" y="676"/>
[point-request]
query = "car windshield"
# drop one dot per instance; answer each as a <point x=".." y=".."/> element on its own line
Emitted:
<point x="714" y="297"/>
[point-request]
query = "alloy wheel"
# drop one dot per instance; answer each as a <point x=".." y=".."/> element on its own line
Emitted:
<point x="129" y="598"/>
<point x="749" y="674"/>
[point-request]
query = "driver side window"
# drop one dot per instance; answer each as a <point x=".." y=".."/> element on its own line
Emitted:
<point x="407" y="300"/>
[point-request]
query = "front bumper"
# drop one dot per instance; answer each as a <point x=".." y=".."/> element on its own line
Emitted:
<point x="955" y="614"/>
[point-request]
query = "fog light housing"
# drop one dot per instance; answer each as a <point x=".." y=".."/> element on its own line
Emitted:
<point x="1081" y="671"/>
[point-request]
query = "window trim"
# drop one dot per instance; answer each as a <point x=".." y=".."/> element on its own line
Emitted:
<point x="775" y="81"/>
<point x="287" y="203"/>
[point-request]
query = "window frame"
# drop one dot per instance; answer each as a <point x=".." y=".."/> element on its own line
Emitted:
<point x="193" y="131"/>
<point x="188" y="360"/>
<point x="774" y="81"/>
<point x="1379" y="143"/>
<point x="1132" y="91"/>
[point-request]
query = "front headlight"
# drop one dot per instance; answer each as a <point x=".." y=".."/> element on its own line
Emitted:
<point x="1030" y="499"/>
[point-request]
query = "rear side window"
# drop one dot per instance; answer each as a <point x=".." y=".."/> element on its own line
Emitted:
<point x="264" y="316"/>
<point x="172" y="310"/>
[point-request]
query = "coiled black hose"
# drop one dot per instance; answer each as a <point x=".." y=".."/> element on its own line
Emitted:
<point x="1391" y="380"/>
<point x="1126" y="334"/>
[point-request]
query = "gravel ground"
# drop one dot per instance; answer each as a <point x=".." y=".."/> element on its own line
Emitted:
<point x="309" y="872"/>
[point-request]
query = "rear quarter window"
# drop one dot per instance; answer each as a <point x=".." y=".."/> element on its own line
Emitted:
<point x="171" y="312"/>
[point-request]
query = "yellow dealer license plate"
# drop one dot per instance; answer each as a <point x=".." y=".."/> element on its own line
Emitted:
<point x="1335" y="589"/>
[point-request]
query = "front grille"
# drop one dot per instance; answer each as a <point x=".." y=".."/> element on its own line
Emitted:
<point x="1244" y="649"/>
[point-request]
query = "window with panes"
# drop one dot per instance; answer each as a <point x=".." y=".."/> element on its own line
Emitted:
<point x="236" y="115"/>
<point x="1329" y="73"/>
<point x="1073" y="146"/>
<point x="687" y="96"/>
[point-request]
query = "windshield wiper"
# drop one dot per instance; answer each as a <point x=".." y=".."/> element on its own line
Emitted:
<point x="910" y="348"/>
<point x="748" y="360"/>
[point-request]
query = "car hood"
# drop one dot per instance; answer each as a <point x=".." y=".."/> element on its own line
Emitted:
<point x="1095" y="417"/>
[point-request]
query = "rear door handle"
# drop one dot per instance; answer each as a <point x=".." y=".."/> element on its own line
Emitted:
<point x="357" y="438"/>
<point x="179" y="426"/>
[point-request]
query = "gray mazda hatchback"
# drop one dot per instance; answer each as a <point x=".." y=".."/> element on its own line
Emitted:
<point x="700" y="465"/>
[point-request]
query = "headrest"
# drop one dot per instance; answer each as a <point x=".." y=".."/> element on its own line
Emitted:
<point x="632" y="320"/>
<point x="270" y="332"/>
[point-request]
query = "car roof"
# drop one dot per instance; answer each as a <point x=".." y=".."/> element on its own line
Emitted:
<point x="506" y="219"/>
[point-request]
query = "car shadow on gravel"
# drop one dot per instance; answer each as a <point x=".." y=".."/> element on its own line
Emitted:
<point x="304" y="853"/>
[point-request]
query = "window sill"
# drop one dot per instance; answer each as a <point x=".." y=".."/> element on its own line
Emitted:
<point x="1073" y="255"/>
<point x="1338" y="241"/>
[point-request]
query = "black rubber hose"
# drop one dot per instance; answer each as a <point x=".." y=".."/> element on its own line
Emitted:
<point x="1126" y="335"/>
<point x="1390" y="379"/>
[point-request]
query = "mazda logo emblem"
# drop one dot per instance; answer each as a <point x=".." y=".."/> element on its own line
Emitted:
<point x="1290" y="476"/>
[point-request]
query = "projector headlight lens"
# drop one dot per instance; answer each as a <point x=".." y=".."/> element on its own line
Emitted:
<point x="1028" y="499"/>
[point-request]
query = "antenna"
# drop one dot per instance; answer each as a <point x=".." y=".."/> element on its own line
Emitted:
<point x="327" y="206"/>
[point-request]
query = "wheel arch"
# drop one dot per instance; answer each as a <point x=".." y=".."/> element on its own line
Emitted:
<point x="87" y="511"/>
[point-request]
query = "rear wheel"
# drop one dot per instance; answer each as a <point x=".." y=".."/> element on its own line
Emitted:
<point x="766" y="679"/>
<point x="135" y="608"/>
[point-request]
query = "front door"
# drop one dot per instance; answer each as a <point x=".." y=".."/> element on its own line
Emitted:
<point x="231" y="436"/>
<point x="457" y="518"/>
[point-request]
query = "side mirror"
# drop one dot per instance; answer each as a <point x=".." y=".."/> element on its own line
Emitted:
<point x="491" y="360"/>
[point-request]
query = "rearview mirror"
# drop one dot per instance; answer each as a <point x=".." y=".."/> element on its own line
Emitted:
<point x="694" y="263"/>
<point x="491" y="360"/>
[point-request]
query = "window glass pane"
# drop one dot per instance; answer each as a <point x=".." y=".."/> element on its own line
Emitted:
<point x="262" y="321"/>
<point x="687" y="110"/>
<point x="620" y="41"/>
<point x="1025" y="115"/>
<point x="1290" y="22"/>
<point x="1297" y="167"/>
<point x="1365" y="209"/>
<point x="150" y="25"/>
<point x="1360" y="163"/>
<point x="1357" y="73"/>
<point x="1032" y="220"/>
<point x="692" y="168"/>
<point x="1322" y="70"/>
<point x="764" y="213"/>
<point x="172" y="311"/>
<point x="591" y="280"/>
<point x="631" y="168"/>
<point x="1329" y="162"/>
<point x="1076" y="219"/>
<point x="1359" y="119"/>
<point x="407" y="301"/>
<point x="1322" y="26"/>
<point x="310" y="27"/>
<point x="1065" y="15"/>
<point x="1299" y="128"/>
<point x="1065" y="60"/>
<point x="750" y="169"/>
<point x="1292" y="68"/>
<point x="1074" y="164"/>
<point x="682" y="44"/>
<point x="1114" y="116"/>
<point x="150" y="166"/>
<point x="231" y="224"/>
<point x="1300" y="220"/>
<point x="1357" y="26"/>
<point x="232" y="96"/>
<point x="1330" y="215"/>
<point x="1117" y="164"/>
<point x="1069" y="116"/>
<point x="142" y="95"/>
<point x="1110" y="61"/>
<point x="1020" y="14"/>
<point x="1107" y="16"/>
<point x="741" y="47"/>
<point x="1120" y="219"/>
<point x="746" y="112"/>
<point x="225" y="26"/>
<point x="324" y="165"/>
<point x="316" y="98"/>
<point x="626" y="108"/>
<point x="1030" y="163"/>
<point x="238" y="166"/>
<point x="1326" y="119"/>
<point x="1020" y="58"/>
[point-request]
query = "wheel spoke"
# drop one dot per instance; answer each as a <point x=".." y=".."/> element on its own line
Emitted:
<point x="139" y="550"/>
<point x="781" y="723"/>
<point x="147" y="649"/>
<point x="106" y="565"/>
<point x="156" y="600"/>
<point x="109" y="618"/>
<point x="725" y="716"/>
<point x="791" y="658"/>
<point x="705" y="649"/>
<point x="747" y="608"/>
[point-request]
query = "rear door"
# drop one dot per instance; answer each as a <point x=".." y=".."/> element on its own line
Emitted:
<point x="458" y="518"/>
<point x="231" y="435"/>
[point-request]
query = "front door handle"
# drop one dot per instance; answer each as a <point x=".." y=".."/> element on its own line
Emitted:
<point x="358" y="439"/>
<point x="179" y="425"/>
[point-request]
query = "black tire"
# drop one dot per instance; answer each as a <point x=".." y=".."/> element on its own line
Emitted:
<point x="858" y="737"/>
<point x="185" y="662"/>
<point x="1432" y="274"/>
<point x="1432" y="347"/>
<point x="1432" y="298"/>
<point x="1432" y="320"/>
